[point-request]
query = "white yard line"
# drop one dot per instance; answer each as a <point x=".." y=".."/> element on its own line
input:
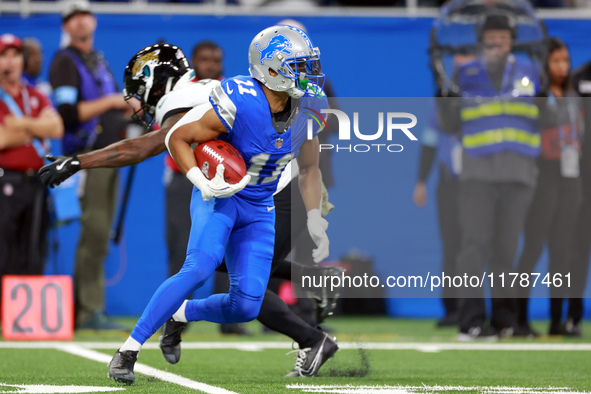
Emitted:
<point x="84" y="351"/>
<point x="258" y="346"/>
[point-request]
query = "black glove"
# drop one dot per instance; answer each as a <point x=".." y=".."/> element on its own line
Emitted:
<point x="61" y="169"/>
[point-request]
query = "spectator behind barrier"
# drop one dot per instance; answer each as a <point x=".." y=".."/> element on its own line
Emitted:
<point x="93" y="114"/>
<point x="26" y="118"/>
<point x="555" y="206"/>
<point x="33" y="56"/>
<point x="498" y="168"/>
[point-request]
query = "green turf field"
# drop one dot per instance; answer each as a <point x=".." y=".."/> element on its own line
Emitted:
<point x="379" y="355"/>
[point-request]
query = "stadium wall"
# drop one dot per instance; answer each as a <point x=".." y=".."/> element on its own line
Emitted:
<point x="371" y="57"/>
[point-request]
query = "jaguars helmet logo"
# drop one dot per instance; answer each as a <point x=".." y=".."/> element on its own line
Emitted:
<point x="150" y="58"/>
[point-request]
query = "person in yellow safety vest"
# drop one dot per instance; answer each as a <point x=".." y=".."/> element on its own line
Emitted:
<point x="498" y="113"/>
<point x="498" y="119"/>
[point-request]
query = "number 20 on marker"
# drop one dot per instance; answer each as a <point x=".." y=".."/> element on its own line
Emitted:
<point x="37" y="308"/>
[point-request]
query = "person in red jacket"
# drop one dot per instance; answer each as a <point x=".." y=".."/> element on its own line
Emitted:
<point x="26" y="118"/>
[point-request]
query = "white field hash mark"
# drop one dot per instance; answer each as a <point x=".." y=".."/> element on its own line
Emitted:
<point x="143" y="369"/>
<point x="350" y="389"/>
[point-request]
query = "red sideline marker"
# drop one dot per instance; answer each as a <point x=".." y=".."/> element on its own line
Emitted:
<point x="37" y="308"/>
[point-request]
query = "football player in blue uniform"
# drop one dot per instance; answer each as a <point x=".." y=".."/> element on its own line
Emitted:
<point x="263" y="117"/>
<point x="159" y="77"/>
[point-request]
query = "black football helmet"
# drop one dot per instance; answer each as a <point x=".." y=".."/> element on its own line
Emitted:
<point x="150" y="74"/>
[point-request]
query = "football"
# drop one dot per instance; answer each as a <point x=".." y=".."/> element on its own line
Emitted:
<point x="212" y="153"/>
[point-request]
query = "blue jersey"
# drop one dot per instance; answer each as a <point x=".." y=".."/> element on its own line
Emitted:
<point x="241" y="227"/>
<point x="244" y="110"/>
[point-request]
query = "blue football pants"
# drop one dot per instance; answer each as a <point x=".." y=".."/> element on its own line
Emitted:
<point x="241" y="230"/>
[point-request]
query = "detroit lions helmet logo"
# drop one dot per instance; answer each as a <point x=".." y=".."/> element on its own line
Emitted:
<point x="278" y="43"/>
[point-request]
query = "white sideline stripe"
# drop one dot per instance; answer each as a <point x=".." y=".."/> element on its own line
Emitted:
<point x="257" y="346"/>
<point x="78" y="350"/>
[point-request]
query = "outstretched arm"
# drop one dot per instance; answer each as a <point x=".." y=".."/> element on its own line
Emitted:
<point x="120" y="154"/>
<point x="131" y="151"/>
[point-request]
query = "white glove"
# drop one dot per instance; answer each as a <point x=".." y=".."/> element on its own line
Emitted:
<point x="317" y="226"/>
<point x="216" y="187"/>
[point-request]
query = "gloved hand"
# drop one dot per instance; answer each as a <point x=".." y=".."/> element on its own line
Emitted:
<point x="217" y="187"/>
<point x="317" y="226"/>
<point x="61" y="168"/>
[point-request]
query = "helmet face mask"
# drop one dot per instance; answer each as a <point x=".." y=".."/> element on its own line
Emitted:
<point x="150" y="74"/>
<point x="289" y="52"/>
<point x="305" y="70"/>
<point x="135" y="90"/>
